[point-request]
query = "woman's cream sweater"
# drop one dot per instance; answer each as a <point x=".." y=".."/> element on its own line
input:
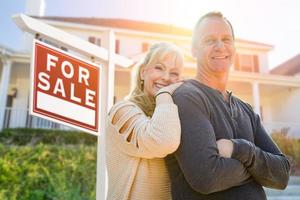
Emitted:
<point x="135" y="164"/>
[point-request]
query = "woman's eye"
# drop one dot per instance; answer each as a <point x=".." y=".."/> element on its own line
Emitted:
<point x="174" y="74"/>
<point x="209" y="41"/>
<point x="159" y="67"/>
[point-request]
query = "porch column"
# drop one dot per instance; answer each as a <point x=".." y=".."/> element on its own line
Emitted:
<point x="4" y="83"/>
<point x="256" y="98"/>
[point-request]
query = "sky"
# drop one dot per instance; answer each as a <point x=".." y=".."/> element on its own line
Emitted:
<point x="273" y="22"/>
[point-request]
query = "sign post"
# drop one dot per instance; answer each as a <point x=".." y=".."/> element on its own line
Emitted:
<point x="70" y="90"/>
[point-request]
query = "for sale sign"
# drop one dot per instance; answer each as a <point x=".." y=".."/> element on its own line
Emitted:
<point x="65" y="88"/>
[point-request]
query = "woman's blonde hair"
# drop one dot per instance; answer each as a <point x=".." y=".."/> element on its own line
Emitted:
<point x="156" y="52"/>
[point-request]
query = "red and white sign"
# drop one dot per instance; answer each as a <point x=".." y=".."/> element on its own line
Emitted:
<point x="65" y="89"/>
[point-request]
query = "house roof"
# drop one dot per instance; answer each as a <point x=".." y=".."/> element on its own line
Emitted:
<point x="5" y="50"/>
<point x="124" y="24"/>
<point x="289" y="67"/>
<point x="137" y="26"/>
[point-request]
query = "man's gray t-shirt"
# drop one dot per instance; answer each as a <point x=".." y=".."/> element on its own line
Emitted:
<point x="196" y="169"/>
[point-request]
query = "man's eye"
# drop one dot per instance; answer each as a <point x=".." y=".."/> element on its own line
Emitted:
<point x="227" y="40"/>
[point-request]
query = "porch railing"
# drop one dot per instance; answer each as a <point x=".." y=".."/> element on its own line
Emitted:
<point x="292" y="127"/>
<point x="20" y="118"/>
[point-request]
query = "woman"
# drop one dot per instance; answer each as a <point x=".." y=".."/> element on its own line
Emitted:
<point x="145" y="128"/>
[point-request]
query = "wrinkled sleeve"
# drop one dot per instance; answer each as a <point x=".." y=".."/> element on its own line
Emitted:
<point x="146" y="137"/>
<point x="263" y="160"/>
<point x="204" y="169"/>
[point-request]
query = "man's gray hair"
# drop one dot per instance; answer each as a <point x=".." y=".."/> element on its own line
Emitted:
<point x="208" y="15"/>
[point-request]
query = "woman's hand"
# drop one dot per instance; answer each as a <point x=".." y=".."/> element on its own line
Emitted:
<point x="225" y="147"/>
<point x="170" y="88"/>
<point x="164" y="94"/>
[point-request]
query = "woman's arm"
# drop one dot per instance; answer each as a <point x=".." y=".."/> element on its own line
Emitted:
<point x="138" y="135"/>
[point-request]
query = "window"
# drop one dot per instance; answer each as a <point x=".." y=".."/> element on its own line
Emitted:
<point x="117" y="46"/>
<point x="64" y="49"/>
<point x="256" y="63"/>
<point x="95" y="40"/>
<point x="145" y="47"/>
<point x="92" y="40"/>
<point x="246" y="63"/>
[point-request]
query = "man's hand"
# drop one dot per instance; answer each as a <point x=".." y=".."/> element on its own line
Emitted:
<point x="225" y="147"/>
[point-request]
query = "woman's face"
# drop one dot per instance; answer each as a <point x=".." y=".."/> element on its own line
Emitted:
<point x="160" y="73"/>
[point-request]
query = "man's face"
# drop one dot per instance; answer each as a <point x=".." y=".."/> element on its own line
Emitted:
<point x="214" y="48"/>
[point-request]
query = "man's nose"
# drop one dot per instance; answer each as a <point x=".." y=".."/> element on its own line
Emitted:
<point x="219" y="44"/>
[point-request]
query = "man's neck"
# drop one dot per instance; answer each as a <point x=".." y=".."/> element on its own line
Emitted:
<point x="217" y="82"/>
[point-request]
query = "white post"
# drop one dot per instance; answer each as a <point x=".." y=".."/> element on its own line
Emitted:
<point x="33" y="8"/>
<point x="109" y="42"/>
<point x="5" y="77"/>
<point x="256" y="97"/>
<point x="108" y="91"/>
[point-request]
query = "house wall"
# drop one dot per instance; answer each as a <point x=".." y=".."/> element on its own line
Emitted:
<point x="284" y="105"/>
<point x="122" y="84"/>
<point x="266" y="109"/>
<point x="19" y="79"/>
<point x="265" y="115"/>
<point x="130" y="42"/>
<point x="285" y="114"/>
<point x="1" y="68"/>
<point x="130" y="46"/>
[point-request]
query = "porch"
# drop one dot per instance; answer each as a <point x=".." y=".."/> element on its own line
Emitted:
<point x="20" y="118"/>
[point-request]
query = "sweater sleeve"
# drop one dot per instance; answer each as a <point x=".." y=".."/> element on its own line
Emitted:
<point x="203" y="168"/>
<point x="263" y="160"/>
<point x="146" y="137"/>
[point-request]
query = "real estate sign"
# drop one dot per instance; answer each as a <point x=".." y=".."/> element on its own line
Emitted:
<point x="65" y="88"/>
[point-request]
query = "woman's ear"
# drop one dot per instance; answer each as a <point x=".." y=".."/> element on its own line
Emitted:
<point x="142" y="72"/>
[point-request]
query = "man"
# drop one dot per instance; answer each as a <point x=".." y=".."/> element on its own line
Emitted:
<point x="225" y="153"/>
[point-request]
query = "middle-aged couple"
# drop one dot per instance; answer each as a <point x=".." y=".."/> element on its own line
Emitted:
<point x="190" y="140"/>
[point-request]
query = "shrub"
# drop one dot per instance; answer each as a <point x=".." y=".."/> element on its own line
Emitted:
<point x="47" y="172"/>
<point x="47" y="164"/>
<point x="28" y="136"/>
<point x="290" y="146"/>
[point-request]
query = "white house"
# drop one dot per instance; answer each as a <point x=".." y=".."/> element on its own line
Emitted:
<point x="273" y="95"/>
